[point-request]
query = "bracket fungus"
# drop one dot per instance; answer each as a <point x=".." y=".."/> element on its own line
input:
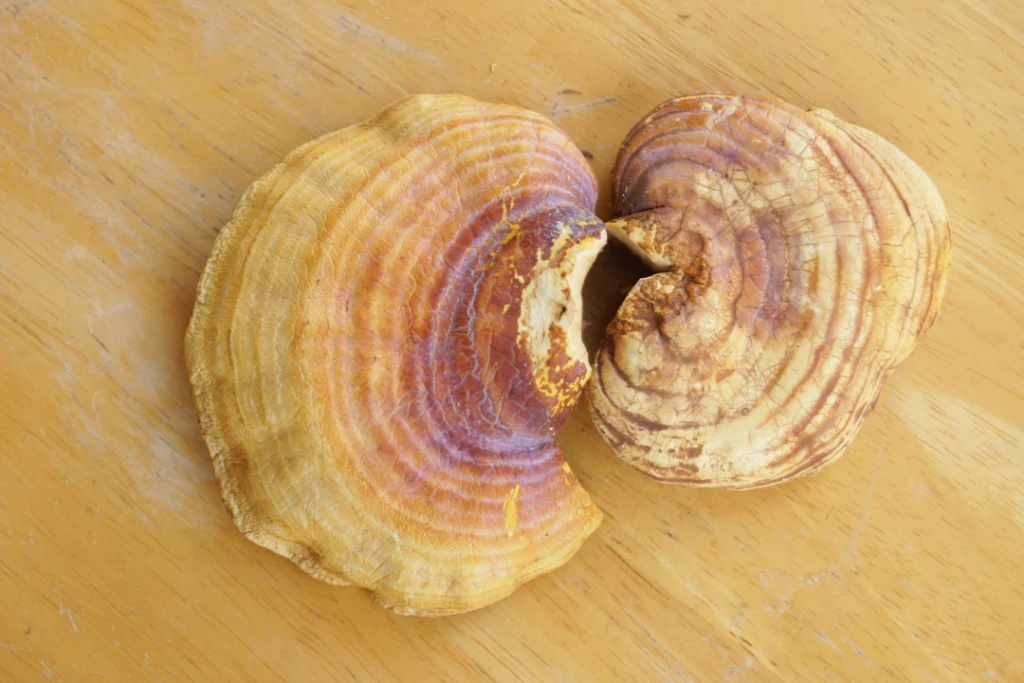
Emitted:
<point x="799" y="257"/>
<point x="385" y="339"/>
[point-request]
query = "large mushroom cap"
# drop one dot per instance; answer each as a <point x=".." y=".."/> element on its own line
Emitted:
<point x="801" y="259"/>
<point x="385" y="339"/>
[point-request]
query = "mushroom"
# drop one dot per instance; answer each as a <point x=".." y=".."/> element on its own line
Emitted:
<point x="385" y="339"/>
<point x="799" y="259"/>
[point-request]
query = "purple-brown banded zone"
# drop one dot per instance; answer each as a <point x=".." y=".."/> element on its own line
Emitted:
<point x="458" y="422"/>
<point x="792" y="240"/>
<point x="466" y="422"/>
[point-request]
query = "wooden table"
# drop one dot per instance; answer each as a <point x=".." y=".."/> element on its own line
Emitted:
<point x="128" y="131"/>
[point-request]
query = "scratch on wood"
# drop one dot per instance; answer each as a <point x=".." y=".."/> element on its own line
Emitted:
<point x="557" y="110"/>
<point x="15" y="7"/>
<point x="100" y="342"/>
<point x="852" y="545"/>
<point x="61" y="610"/>
<point x="353" y="26"/>
<point x="231" y="159"/>
<point x="633" y="570"/>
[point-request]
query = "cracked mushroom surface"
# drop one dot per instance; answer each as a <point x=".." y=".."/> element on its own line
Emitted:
<point x="385" y="339"/>
<point x="800" y="258"/>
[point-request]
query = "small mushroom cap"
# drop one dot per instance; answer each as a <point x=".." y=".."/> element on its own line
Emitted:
<point x="386" y="338"/>
<point x="800" y="259"/>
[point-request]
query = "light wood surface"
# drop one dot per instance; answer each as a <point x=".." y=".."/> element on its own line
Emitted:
<point x="129" y="130"/>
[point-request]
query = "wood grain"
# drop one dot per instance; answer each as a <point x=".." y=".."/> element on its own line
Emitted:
<point x="129" y="130"/>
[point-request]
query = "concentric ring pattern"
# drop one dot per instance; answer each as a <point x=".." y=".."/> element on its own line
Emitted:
<point x="386" y="338"/>
<point x="801" y="258"/>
